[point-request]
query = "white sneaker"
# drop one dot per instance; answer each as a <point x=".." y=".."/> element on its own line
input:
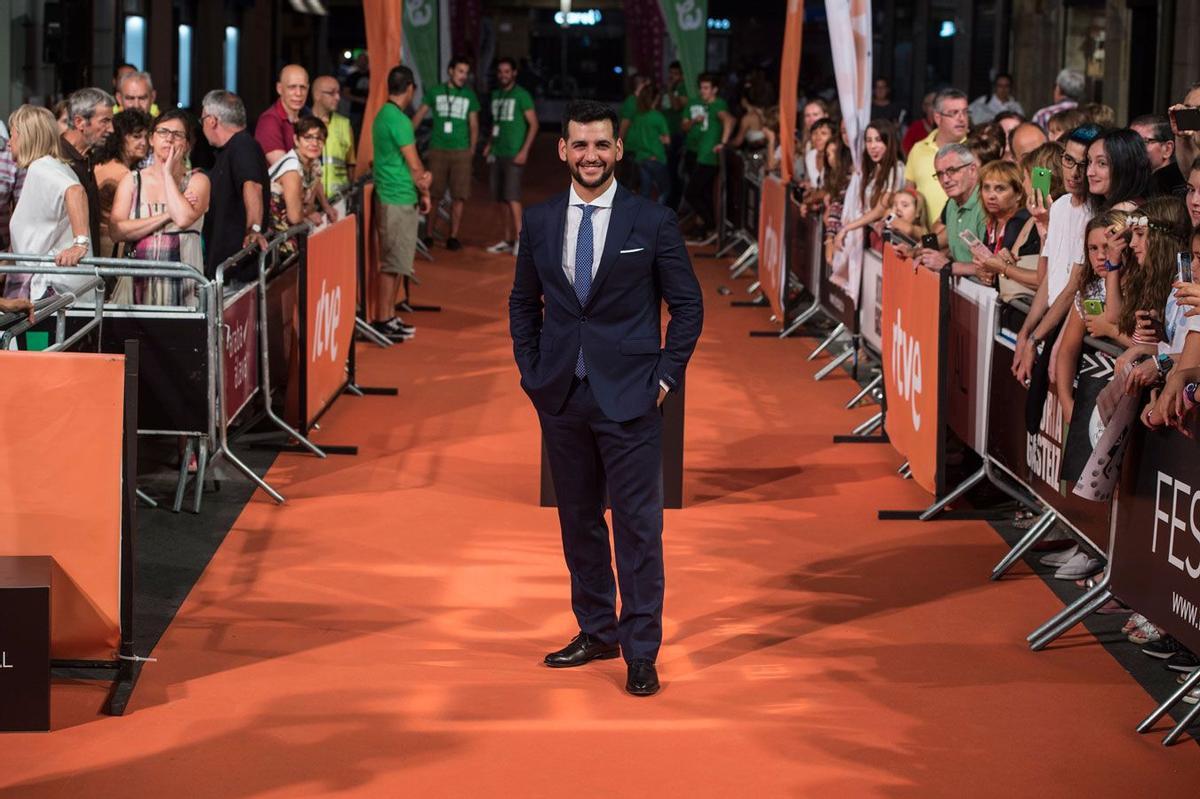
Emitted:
<point x="500" y="247"/>
<point x="1081" y="564"/>
<point x="1059" y="558"/>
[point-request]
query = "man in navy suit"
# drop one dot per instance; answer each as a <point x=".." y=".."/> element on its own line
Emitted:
<point x="594" y="265"/>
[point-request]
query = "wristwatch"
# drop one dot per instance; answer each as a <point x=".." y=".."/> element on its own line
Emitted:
<point x="255" y="228"/>
<point x="1189" y="393"/>
<point x="1109" y="266"/>
<point x="80" y="241"/>
<point x="1164" y="364"/>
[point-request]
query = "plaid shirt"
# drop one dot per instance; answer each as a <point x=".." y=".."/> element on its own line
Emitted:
<point x="11" y="180"/>
<point x="1042" y="117"/>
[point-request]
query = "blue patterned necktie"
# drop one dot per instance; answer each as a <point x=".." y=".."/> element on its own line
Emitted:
<point x="583" y="271"/>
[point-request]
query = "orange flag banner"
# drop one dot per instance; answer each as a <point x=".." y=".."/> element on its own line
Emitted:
<point x="384" y="33"/>
<point x="789" y="78"/>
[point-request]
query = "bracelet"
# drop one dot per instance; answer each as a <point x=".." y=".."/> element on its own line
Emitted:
<point x="1189" y="393"/>
<point x="1109" y="266"/>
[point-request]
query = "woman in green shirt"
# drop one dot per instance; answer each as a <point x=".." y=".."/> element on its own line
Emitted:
<point x="647" y="139"/>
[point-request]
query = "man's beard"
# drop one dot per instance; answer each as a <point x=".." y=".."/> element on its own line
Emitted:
<point x="604" y="176"/>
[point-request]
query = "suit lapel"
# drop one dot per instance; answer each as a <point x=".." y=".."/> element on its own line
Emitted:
<point x="556" y="255"/>
<point x="619" y="226"/>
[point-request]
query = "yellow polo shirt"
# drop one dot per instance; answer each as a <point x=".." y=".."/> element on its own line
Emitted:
<point x="154" y="112"/>
<point x="919" y="170"/>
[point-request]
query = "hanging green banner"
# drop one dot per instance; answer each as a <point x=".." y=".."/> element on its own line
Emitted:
<point x="421" y="43"/>
<point x="687" y="22"/>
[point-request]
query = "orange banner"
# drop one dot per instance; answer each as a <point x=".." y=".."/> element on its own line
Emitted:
<point x="911" y="339"/>
<point x="331" y="288"/>
<point x="60" y="487"/>
<point x="789" y="77"/>
<point x="384" y="24"/>
<point x="772" y="232"/>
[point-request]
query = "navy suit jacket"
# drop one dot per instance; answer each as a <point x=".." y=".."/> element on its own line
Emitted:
<point x="620" y="325"/>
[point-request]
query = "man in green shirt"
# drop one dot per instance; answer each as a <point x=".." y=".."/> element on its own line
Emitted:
<point x="514" y="127"/>
<point x="337" y="162"/>
<point x="402" y="190"/>
<point x="455" y="113"/>
<point x="646" y="141"/>
<point x="957" y="170"/>
<point x="711" y="126"/>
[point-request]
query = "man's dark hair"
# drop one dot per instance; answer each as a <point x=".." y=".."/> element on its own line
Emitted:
<point x="1085" y="134"/>
<point x="1000" y="75"/>
<point x="399" y="79"/>
<point x="675" y="65"/>
<point x="458" y="58"/>
<point x="585" y="111"/>
<point x="117" y="69"/>
<point x="710" y="78"/>
<point x="1004" y="115"/>
<point x="512" y="62"/>
<point x="1159" y="125"/>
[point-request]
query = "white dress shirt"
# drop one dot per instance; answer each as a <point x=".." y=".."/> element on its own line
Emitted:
<point x="600" y="219"/>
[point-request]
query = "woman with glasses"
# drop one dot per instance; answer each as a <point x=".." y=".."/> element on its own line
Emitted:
<point x="159" y="210"/>
<point x="297" y="194"/>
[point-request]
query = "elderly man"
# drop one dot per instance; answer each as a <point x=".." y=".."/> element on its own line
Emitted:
<point x="136" y="90"/>
<point x="986" y="108"/>
<point x="950" y="116"/>
<point x="337" y="162"/>
<point x="274" y="131"/>
<point x="1166" y="179"/>
<point x="89" y="124"/>
<point x="1025" y="138"/>
<point x="958" y="173"/>
<point x="241" y="190"/>
<point x="1068" y="88"/>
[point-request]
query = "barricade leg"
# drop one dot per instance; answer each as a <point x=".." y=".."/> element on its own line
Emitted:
<point x="867" y="389"/>
<point x="1179" y="728"/>
<point x="963" y="488"/>
<point x="735" y="241"/>
<point x="189" y="449"/>
<point x="838" y="360"/>
<point x="903" y="468"/>
<point x="1071" y="615"/>
<point x="1192" y="681"/>
<point x="870" y="426"/>
<point x="832" y="337"/>
<point x="802" y="319"/>
<point x="1031" y="537"/>
<point x="746" y="260"/>
<point x="371" y="333"/>
<point x="201" y="469"/>
<point x="144" y="497"/>
<point x="753" y="287"/>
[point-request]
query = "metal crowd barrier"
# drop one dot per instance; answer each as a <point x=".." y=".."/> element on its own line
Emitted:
<point x="16" y="324"/>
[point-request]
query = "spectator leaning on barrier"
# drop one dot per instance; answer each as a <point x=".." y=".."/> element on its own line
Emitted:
<point x="1166" y="179"/>
<point x="646" y="142"/>
<point x="402" y="189"/>
<point x="985" y="108"/>
<point x="950" y="111"/>
<point x="51" y="218"/>
<point x="514" y="128"/>
<point x="882" y="176"/>
<point x="454" y="110"/>
<point x="1025" y="138"/>
<point x="135" y="91"/>
<point x="240" y="186"/>
<point x="275" y="131"/>
<point x="1068" y="88"/>
<point x="1177" y="399"/>
<point x="839" y="169"/>
<point x="1064" y="222"/>
<point x="127" y="147"/>
<point x="958" y="173"/>
<point x="337" y="162"/>
<point x="90" y="113"/>
<point x="715" y="124"/>
<point x="297" y="194"/>
<point x="159" y="211"/>
<point x="1118" y="170"/>
<point x="1010" y="232"/>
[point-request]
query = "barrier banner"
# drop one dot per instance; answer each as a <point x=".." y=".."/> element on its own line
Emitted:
<point x="1156" y="544"/>
<point x="772" y="243"/>
<point x="329" y="291"/>
<point x="241" y="350"/>
<point x="913" y="310"/>
<point x="834" y="291"/>
<point x="65" y="501"/>
<point x="384" y="29"/>
<point x="870" y="306"/>
<point x="789" y="76"/>
<point x="972" y="329"/>
<point x="1036" y="461"/>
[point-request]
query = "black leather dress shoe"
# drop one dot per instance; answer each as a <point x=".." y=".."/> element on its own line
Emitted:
<point x="582" y="649"/>
<point x="643" y="678"/>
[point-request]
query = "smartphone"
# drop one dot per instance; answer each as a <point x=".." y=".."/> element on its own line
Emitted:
<point x="1039" y="178"/>
<point x="1183" y="267"/>
<point x="897" y="237"/>
<point x="1093" y="307"/>
<point x="977" y="249"/>
<point x="1186" y="119"/>
<point x="930" y="241"/>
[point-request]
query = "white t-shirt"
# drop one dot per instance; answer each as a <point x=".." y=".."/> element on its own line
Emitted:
<point x="1063" y="247"/>
<point x="40" y="225"/>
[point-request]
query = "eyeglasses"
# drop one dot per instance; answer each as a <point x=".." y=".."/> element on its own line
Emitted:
<point x="315" y="138"/>
<point x="1071" y="164"/>
<point x="950" y="171"/>
<point x="962" y="112"/>
<point x="173" y="135"/>
<point x="1150" y="141"/>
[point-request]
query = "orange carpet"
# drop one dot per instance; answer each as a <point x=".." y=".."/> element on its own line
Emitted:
<point x="381" y="634"/>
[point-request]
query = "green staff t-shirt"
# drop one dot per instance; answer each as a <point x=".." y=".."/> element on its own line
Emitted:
<point x="694" y="110"/>
<point x="509" y="125"/>
<point x="392" y="130"/>
<point x="710" y="132"/>
<point x="451" y="107"/>
<point x="629" y="107"/>
<point x="674" y="118"/>
<point x="644" y="136"/>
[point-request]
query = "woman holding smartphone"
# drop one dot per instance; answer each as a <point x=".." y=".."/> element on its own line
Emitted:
<point x="1009" y="233"/>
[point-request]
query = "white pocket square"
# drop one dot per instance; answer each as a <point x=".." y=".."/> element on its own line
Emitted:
<point x="635" y="249"/>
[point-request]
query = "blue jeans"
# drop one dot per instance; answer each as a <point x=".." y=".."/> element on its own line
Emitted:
<point x="655" y="175"/>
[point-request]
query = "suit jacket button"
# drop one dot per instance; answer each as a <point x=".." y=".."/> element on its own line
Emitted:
<point x="583" y="319"/>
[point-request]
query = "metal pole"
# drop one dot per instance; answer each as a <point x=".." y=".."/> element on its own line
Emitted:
<point x="1031" y="537"/>
<point x="837" y="331"/>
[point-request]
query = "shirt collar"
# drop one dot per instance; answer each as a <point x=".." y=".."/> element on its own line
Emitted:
<point x="972" y="201"/>
<point x="605" y="200"/>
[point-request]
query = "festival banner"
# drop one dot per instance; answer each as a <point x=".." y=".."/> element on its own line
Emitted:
<point x="241" y="350"/>
<point x="331" y="286"/>
<point x="870" y="305"/>
<point x="850" y="42"/>
<point x="912" y="311"/>
<point x="972" y="330"/>
<point x="772" y="241"/>
<point x="60" y="488"/>
<point x="789" y="76"/>
<point x="383" y="23"/>
<point x="422" y="24"/>
<point x="687" y="22"/>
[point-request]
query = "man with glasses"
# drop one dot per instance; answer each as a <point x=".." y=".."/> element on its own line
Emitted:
<point x="1166" y="180"/>
<point x="1062" y="226"/>
<point x="337" y="162"/>
<point x="957" y="173"/>
<point x="950" y="116"/>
